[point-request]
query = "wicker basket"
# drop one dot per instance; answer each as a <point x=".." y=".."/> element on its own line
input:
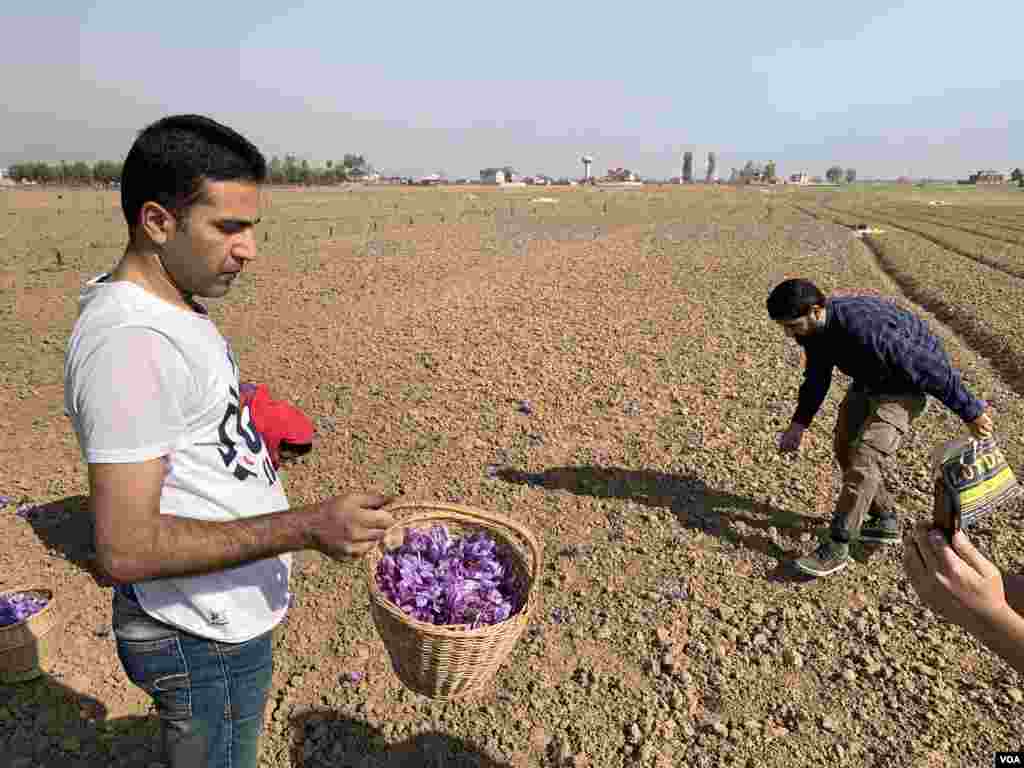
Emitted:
<point x="26" y="646"/>
<point x="450" y="662"/>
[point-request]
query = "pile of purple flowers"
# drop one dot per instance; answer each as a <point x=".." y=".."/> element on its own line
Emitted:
<point x="17" y="607"/>
<point x="443" y="580"/>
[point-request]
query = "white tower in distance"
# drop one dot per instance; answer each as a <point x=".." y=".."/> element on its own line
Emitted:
<point x="586" y="160"/>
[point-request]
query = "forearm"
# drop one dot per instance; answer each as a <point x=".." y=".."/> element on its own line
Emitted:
<point x="179" y="546"/>
<point x="812" y="394"/>
<point x="1004" y="636"/>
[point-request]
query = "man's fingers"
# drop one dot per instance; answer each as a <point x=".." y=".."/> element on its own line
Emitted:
<point x="369" y="500"/>
<point x="376" y="519"/>
<point x="970" y="554"/>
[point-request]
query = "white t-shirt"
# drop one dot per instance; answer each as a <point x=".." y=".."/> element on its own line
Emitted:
<point x="144" y="379"/>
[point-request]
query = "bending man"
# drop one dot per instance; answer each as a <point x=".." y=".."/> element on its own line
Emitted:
<point x="895" y="361"/>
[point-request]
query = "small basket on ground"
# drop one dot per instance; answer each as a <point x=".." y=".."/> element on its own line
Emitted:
<point x="26" y="647"/>
<point x="450" y="662"/>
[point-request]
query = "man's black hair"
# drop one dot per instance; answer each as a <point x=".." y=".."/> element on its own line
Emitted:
<point x="793" y="299"/>
<point x="171" y="159"/>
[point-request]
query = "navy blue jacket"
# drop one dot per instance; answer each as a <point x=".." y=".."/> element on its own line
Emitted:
<point x="885" y="350"/>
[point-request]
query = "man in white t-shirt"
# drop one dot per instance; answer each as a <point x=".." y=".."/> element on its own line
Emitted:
<point x="192" y="523"/>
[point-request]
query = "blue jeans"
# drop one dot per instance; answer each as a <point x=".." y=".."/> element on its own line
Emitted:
<point x="210" y="696"/>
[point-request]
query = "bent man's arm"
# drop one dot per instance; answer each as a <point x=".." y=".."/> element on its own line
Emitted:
<point x="815" y="386"/>
<point x="930" y="370"/>
<point x="134" y="542"/>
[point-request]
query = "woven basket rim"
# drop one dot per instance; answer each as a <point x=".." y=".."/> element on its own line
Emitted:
<point x="487" y="520"/>
<point x="50" y="600"/>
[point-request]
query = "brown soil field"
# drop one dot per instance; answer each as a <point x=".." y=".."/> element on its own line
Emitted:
<point x="671" y="628"/>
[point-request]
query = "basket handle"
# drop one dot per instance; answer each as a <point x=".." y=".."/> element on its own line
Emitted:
<point x="469" y="514"/>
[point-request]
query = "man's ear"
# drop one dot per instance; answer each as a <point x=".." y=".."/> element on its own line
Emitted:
<point x="157" y="222"/>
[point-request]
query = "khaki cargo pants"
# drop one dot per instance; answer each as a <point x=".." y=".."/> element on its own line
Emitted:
<point x="869" y="430"/>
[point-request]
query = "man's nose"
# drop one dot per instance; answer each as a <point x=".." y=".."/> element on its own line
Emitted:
<point x="244" y="248"/>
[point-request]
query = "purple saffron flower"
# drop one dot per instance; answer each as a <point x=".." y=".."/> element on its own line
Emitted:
<point x="438" y="579"/>
<point x="355" y="677"/>
<point x="17" y="607"/>
<point x="25" y="511"/>
<point x="5" y="500"/>
<point x="525" y="407"/>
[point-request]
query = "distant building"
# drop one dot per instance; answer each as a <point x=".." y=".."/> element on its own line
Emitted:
<point x="504" y="175"/>
<point x="987" y="177"/>
<point x="492" y="176"/>
<point x="3" y="173"/>
<point x="799" y="178"/>
<point x="621" y="174"/>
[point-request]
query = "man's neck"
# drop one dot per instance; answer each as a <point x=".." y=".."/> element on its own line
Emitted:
<point x="144" y="269"/>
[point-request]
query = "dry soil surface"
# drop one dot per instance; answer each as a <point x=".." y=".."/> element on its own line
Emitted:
<point x="670" y="627"/>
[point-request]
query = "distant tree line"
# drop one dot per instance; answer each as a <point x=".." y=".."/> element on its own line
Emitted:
<point x="80" y="172"/>
<point x="836" y="174"/>
<point x="753" y="172"/>
<point x="291" y="170"/>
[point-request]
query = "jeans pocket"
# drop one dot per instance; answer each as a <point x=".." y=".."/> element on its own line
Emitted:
<point x="159" y="668"/>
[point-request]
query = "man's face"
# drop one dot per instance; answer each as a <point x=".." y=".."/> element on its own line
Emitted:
<point x="215" y="239"/>
<point x="808" y="325"/>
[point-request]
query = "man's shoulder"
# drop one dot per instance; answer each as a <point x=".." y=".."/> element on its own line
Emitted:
<point x="113" y="330"/>
<point x="106" y="308"/>
<point x="859" y="313"/>
<point x="859" y="303"/>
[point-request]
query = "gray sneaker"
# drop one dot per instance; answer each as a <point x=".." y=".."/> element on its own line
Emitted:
<point x="831" y="557"/>
<point x="881" y="530"/>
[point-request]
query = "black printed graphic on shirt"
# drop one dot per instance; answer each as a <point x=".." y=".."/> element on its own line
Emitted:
<point x="240" y="444"/>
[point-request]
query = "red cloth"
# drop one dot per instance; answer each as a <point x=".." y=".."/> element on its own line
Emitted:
<point x="277" y="421"/>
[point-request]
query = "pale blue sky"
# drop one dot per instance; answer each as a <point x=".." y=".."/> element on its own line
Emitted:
<point x="923" y="88"/>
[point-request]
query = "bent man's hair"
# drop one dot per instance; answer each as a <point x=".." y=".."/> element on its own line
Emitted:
<point x="793" y="299"/>
<point x="171" y="159"/>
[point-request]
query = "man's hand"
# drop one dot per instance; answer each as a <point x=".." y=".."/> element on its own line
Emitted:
<point x="956" y="582"/>
<point x="791" y="438"/>
<point x="981" y="427"/>
<point x="351" y="525"/>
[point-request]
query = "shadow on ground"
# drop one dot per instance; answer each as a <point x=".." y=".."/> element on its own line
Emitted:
<point x="66" y="527"/>
<point x="45" y="723"/>
<point x="694" y="504"/>
<point x="327" y="739"/>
